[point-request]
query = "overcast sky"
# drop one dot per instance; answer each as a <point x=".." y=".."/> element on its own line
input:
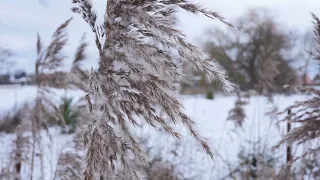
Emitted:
<point x="21" y="20"/>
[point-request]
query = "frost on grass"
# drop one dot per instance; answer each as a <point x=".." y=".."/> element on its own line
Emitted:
<point x="136" y="72"/>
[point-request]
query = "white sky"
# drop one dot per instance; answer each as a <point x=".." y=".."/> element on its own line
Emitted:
<point x="21" y="20"/>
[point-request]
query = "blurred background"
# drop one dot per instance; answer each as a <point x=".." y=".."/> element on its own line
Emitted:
<point x="267" y="51"/>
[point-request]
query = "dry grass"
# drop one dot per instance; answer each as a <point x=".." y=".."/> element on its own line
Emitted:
<point x="306" y="113"/>
<point x="136" y="72"/>
<point x="48" y="75"/>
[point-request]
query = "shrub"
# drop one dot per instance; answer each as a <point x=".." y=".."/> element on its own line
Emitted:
<point x="68" y="114"/>
<point x="8" y="123"/>
<point x="210" y="95"/>
<point x="11" y="119"/>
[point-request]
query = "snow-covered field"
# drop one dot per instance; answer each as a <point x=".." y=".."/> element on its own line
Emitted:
<point x="210" y="115"/>
<point x="15" y="95"/>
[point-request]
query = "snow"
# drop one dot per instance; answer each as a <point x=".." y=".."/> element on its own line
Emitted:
<point x="210" y="116"/>
<point x="51" y="148"/>
<point x="16" y="95"/>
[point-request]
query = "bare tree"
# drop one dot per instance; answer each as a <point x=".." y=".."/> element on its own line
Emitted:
<point x="5" y="54"/>
<point x="5" y="61"/>
<point x="257" y="57"/>
<point x="136" y="72"/>
<point x="257" y="54"/>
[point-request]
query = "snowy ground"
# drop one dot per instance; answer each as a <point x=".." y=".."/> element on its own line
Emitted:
<point x="209" y="114"/>
<point x="15" y="95"/>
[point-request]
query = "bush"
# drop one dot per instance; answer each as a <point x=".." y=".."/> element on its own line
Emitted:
<point x="10" y="121"/>
<point x="69" y="115"/>
<point x="8" y="124"/>
<point x="210" y="95"/>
